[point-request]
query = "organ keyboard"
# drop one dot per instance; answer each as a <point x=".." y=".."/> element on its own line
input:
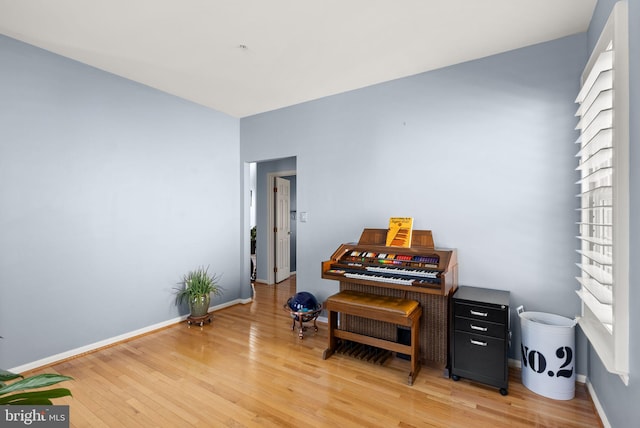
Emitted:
<point x="420" y="272"/>
<point x="426" y="269"/>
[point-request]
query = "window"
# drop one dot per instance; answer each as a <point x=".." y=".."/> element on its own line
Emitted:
<point x="604" y="195"/>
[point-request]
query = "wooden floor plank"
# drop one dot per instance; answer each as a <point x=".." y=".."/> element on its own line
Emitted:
<point x="250" y="369"/>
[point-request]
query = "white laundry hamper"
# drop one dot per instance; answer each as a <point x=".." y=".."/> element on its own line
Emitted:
<point x="548" y="354"/>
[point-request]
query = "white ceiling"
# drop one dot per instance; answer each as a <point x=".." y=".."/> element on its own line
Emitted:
<point x="244" y="57"/>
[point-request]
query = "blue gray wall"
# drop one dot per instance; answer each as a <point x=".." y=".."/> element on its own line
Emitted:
<point x="481" y="153"/>
<point x="109" y="192"/>
<point x="620" y="402"/>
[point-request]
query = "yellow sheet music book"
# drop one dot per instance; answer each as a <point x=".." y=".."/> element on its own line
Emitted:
<point x="399" y="234"/>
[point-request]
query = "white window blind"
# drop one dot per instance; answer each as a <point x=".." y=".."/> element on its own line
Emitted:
<point x="604" y="195"/>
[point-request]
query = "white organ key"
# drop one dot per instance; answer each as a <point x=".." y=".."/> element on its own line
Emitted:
<point x="421" y="273"/>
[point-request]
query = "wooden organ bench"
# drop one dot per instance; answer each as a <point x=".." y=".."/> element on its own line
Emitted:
<point x="394" y="310"/>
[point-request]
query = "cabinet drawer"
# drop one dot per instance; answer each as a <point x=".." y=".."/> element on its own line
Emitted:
<point x="479" y="354"/>
<point x="476" y="326"/>
<point x="480" y="312"/>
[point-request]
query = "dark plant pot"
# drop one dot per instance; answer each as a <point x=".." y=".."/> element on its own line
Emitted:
<point x="199" y="306"/>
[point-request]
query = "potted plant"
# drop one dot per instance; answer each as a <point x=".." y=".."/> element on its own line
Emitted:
<point x="196" y="288"/>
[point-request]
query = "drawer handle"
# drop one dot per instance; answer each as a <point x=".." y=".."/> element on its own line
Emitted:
<point x="477" y="342"/>
<point x="478" y="314"/>
<point x="478" y="328"/>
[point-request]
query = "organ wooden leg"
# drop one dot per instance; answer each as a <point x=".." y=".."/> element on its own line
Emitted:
<point x="415" y="350"/>
<point x="332" y="324"/>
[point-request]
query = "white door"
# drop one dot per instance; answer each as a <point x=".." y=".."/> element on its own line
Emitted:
<point x="282" y="229"/>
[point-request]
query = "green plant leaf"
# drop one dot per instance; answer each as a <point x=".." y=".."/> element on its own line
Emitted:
<point x="31" y="402"/>
<point x="5" y="375"/>
<point x="37" y="381"/>
<point x="34" y="397"/>
<point x="197" y="283"/>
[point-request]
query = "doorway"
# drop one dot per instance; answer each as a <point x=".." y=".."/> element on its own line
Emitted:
<point x="272" y="261"/>
<point x="261" y="213"/>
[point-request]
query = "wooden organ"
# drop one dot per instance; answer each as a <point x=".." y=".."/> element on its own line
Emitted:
<point x="420" y="272"/>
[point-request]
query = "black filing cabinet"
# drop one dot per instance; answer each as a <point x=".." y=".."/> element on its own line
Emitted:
<point x="480" y="336"/>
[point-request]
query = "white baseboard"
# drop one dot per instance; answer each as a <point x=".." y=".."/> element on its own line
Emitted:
<point x="599" y="408"/>
<point x="47" y="361"/>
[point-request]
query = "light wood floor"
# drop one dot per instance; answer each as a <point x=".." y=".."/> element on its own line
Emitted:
<point x="249" y="369"/>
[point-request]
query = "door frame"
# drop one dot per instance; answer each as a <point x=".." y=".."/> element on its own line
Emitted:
<point x="271" y="221"/>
